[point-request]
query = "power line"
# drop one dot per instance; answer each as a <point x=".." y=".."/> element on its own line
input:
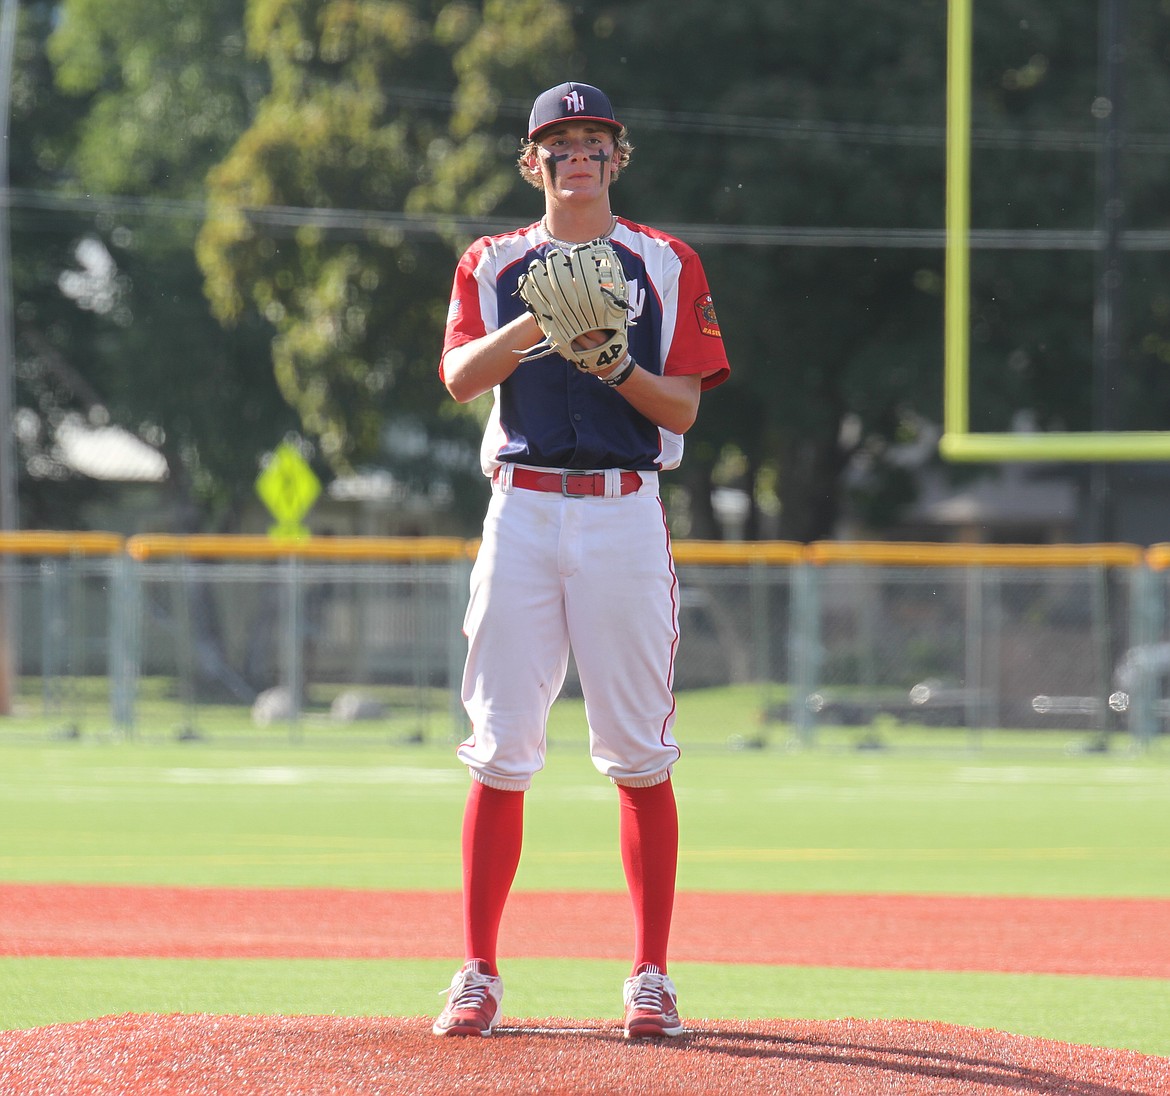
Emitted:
<point x="814" y="129"/>
<point x="358" y="222"/>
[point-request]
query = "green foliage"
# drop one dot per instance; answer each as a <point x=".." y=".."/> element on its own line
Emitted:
<point x="358" y="315"/>
<point x="165" y="95"/>
<point x="336" y="140"/>
<point x="825" y="117"/>
<point x="815" y="124"/>
<point x="132" y="105"/>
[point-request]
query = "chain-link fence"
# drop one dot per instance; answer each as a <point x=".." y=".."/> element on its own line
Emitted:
<point x="198" y="637"/>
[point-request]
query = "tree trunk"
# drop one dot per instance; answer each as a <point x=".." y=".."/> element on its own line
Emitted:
<point x="696" y="470"/>
<point x="810" y="485"/>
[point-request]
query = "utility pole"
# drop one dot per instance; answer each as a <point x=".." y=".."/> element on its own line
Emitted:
<point x="1107" y="297"/>
<point x="9" y="520"/>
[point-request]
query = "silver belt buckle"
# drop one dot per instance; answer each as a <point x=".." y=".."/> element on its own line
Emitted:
<point x="565" y="474"/>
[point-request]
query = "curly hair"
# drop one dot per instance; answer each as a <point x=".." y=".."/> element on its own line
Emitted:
<point x="623" y="148"/>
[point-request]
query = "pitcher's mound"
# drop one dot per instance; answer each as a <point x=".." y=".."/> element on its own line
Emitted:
<point x="277" y="1055"/>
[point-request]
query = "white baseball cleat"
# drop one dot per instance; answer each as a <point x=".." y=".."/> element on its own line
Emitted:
<point x="651" y="1005"/>
<point x="474" y="1002"/>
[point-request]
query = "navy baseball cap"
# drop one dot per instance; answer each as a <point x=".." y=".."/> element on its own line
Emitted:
<point x="571" y="102"/>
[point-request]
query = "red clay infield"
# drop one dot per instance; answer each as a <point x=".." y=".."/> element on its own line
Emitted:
<point x="262" y="1055"/>
<point x="1116" y="937"/>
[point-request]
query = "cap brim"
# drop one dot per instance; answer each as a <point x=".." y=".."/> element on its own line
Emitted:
<point x="615" y="126"/>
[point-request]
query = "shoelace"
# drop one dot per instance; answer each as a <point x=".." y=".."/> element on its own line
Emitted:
<point x="471" y="992"/>
<point x="648" y="992"/>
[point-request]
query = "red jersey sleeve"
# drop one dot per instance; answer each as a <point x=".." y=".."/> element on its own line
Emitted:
<point x="465" y="312"/>
<point x="697" y="345"/>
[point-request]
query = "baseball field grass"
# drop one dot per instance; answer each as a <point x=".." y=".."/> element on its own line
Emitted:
<point x="934" y="818"/>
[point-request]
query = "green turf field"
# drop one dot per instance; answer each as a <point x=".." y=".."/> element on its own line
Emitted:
<point x="1116" y="1012"/>
<point x="1008" y="821"/>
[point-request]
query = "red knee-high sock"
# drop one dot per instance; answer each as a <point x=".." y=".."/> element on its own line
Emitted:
<point x="649" y="840"/>
<point x="493" y="832"/>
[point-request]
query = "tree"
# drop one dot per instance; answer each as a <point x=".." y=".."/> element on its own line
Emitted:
<point x="360" y="117"/>
<point x="813" y="117"/>
<point x="355" y="146"/>
<point x="106" y="107"/>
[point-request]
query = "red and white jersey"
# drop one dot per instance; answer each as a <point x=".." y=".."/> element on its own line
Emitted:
<point x="548" y="413"/>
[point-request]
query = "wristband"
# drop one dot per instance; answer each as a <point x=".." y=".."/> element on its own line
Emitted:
<point x="621" y="374"/>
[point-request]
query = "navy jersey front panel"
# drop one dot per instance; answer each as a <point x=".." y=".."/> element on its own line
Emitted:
<point x="548" y="413"/>
<point x="558" y="417"/>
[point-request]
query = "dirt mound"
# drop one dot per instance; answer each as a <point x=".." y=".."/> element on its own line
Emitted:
<point x="277" y="1055"/>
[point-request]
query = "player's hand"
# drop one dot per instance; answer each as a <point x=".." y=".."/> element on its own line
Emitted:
<point x="580" y="303"/>
<point x="593" y="339"/>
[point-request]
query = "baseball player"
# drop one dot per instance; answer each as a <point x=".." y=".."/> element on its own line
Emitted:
<point x="596" y="337"/>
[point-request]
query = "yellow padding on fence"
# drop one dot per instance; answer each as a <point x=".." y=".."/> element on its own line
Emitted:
<point x="711" y="552"/>
<point x="366" y="549"/>
<point x="737" y="551"/>
<point x="910" y="554"/>
<point x="49" y="542"/>
<point x="1158" y="557"/>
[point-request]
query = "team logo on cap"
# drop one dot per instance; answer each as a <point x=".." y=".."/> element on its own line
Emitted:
<point x="575" y="101"/>
<point x="705" y="313"/>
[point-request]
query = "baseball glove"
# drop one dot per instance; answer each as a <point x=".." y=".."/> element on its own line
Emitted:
<point x="575" y="293"/>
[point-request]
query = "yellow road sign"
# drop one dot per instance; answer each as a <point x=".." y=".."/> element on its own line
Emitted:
<point x="288" y="487"/>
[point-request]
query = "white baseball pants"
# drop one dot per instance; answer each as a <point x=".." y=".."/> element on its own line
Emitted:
<point x="594" y="575"/>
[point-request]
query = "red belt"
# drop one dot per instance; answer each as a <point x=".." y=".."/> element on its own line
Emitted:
<point x="571" y="484"/>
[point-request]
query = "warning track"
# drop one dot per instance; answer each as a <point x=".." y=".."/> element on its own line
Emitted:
<point x="1081" y="936"/>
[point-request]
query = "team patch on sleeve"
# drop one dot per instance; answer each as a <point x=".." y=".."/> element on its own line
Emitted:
<point x="455" y="308"/>
<point x="705" y="313"/>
